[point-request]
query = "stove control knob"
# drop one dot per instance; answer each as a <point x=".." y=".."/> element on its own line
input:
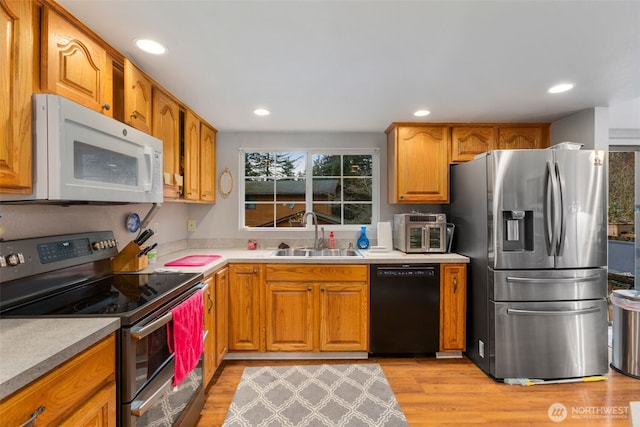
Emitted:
<point x="112" y="243"/>
<point x="96" y="245"/>
<point x="15" y="259"/>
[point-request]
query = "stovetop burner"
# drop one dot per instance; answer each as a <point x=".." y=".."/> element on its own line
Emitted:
<point x="129" y="296"/>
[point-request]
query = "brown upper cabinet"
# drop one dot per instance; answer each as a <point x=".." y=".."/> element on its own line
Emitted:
<point x="418" y="163"/>
<point x="166" y="126"/>
<point x="468" y="140"/>
<point x="18" y="65"/>
<point x="207" y="163"/>
<point x="74" y="65"/>
<point x="137" y="98"/>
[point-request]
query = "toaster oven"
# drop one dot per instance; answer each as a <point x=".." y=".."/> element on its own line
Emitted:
<point x="420" y="232"/>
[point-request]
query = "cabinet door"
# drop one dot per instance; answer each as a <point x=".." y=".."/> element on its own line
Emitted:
<point x="74" y="65"/>
<point x="244" y="306"/>
<point x="468" y="141"/>
<point x="453" y="307"/>
<point x="98" y="411"/>
<point x="137" y="98"/>
<point x="16" y="87"/>
<point x="209" y="328"/>
<point x="420" y="168"/>
<point x="207" y="164"/>
<point x="344" y="317"/>
<point x="166" y="126"/>
<point x="222" y="314"/>
<point x="289" y="316"/>
<point x="523" y="137"/>
<point x="191" y="157"/>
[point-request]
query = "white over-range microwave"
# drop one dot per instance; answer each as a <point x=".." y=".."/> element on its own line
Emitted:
<point x="81" y="155"/>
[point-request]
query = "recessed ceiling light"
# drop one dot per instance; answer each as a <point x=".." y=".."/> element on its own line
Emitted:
<point x="422" y="113"/>
<point x="261" y="112"/>
<point x="151" y="46"/>
<point x="563" y="87"/>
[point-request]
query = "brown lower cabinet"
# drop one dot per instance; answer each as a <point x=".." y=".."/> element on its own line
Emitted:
<point x="317" y="307"/>
<point x="453" y="307"/>
<point x="245" y="302"/>
<point x="80" y="392"/>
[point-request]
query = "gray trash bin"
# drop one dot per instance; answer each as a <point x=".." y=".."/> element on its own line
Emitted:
<point x="626" y="332"/>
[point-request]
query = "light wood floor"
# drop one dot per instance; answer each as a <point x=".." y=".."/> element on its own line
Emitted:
<point x="453" y="392"/>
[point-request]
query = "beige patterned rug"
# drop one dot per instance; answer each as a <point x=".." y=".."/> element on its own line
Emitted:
<point x="314" y="395"/>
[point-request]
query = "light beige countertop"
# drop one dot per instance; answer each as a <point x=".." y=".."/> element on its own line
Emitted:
<point x="266" y="256"/>
<point x="29" y="348"/>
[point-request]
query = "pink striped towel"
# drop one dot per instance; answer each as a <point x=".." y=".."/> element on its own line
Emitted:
<point x="184" y="335"/>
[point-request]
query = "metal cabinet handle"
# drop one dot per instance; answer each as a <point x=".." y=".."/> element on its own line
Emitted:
<point x="455" y="285"/>
<point x="34" y="417"/>
<point x="309" y="288"/>
<point x="106" y="106"/>
<point x="322" y="289"/>
<point x="255" y="270"/>
<point x="210" y="303"/>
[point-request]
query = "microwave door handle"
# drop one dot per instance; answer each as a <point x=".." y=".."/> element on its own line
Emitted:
<point x="425" y="236"/>
<point x="148" y="159"/>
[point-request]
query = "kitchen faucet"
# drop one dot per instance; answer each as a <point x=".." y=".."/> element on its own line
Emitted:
<point x="314" y="217"/>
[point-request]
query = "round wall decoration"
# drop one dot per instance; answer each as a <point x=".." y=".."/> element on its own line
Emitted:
<point x="225" y="183"/>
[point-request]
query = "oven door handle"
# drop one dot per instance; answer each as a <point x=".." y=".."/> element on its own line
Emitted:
<point x="139" y="332"/>
<point x="139" y="407"/>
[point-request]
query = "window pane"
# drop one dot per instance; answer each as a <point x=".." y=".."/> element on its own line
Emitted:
<point x="326" y="165"/>
<point x="290" y="189"/>
<point x="328" y="213"/>
<point x="289" y="164"/>
<point x="326" y="189"/>
<point x="258" y="164"/>
<point x="358" y="165"/>
<point x="258" y="214"/>
<point x="259" y="190"/>
<point x="358" y="189"/>
<point x="357" y="213"/>
<point x="289" y="214"/>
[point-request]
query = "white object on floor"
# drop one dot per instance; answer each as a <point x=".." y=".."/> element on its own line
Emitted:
<point x="448" y="355"/>
<point x="385" y="239"/>
<point x="634" y="414"/>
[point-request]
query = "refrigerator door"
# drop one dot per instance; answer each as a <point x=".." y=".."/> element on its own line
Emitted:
<point x="519" y="230"/>
<point x="559" y="339"/>
<point x="581" y="176"/>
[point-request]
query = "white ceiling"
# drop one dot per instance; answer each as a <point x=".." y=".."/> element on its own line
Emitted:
<point x="358" y="65"/>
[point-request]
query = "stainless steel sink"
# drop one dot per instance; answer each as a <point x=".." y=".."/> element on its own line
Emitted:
<point x="314" y="253"/>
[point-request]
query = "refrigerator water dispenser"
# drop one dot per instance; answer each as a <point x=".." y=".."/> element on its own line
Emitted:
<point x="518" y="230"/>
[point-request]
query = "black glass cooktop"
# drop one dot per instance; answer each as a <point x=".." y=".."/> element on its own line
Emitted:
<point x="119" y="295"/>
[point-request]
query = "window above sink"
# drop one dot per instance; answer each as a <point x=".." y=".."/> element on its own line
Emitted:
<point x="278" y="187"/>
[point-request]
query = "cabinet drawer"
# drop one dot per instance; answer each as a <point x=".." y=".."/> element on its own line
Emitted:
<point x="317" y="273"/>
<point x="65" y="389"/>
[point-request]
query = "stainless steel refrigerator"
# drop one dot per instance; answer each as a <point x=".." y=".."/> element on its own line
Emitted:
<point x="534" y="223"/>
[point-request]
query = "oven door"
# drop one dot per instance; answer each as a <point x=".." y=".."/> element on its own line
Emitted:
<point x="160" y="404"/>
<point x="147" y="368"/>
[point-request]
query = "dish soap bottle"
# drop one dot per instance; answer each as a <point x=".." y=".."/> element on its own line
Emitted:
<point x="363" y="241"/>
<point x="332" y="240"/>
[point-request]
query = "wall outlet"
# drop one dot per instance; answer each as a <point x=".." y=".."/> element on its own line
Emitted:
<point x="191" y="225"/>
<point x="481" y="348"/>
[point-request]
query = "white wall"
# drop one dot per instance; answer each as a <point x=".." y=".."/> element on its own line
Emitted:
<point x="24" y="221"/>
<point x="589" y="127"/>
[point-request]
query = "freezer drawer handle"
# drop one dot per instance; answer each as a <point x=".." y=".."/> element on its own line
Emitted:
<point x="552" y="312"/>
<point x="591" y="278"/>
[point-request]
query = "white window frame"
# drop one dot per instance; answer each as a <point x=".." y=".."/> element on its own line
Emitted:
<point x="375" y="182"/>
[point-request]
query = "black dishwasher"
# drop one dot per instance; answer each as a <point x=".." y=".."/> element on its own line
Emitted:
<point x="405" y="309"/>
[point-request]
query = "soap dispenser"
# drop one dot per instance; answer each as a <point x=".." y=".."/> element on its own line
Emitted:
<point x="363" y="241"/>
<point x="332" y="240"/>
